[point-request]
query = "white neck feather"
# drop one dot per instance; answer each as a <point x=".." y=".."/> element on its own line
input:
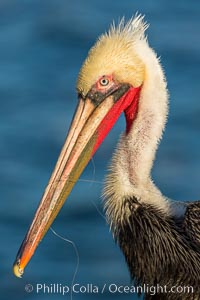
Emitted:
<point x="133" y="159"/>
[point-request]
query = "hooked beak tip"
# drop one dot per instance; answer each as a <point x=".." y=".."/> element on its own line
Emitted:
<point x="17" y="270"/>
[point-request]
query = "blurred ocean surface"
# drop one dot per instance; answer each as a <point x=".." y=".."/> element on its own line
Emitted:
<point x="43" y="44"/>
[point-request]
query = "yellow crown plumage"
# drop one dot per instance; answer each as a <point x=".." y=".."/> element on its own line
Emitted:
<point x="114" y="53"/>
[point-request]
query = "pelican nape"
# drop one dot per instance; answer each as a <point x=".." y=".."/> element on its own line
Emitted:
<point x="159" y="238"/>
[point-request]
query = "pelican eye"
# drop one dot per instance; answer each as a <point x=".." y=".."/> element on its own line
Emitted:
<point x="104" y="81"/>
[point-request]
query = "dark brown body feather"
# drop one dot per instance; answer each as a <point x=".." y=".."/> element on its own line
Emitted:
<point x="160" y="250"/>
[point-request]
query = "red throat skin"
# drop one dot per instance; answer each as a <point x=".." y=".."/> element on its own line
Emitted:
<point x="127" y="103"/>
<point x="131" y="111"/>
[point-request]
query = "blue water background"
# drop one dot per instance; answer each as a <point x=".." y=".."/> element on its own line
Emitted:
<point x="42" y="46"/>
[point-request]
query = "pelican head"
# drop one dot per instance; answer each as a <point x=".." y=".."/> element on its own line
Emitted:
<point x="108" y="84"/>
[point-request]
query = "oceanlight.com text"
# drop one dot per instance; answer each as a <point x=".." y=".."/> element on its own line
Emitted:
<point x="62" y="289"/>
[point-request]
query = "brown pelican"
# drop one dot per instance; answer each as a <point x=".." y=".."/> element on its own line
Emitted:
<point x="159" y="238"/>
